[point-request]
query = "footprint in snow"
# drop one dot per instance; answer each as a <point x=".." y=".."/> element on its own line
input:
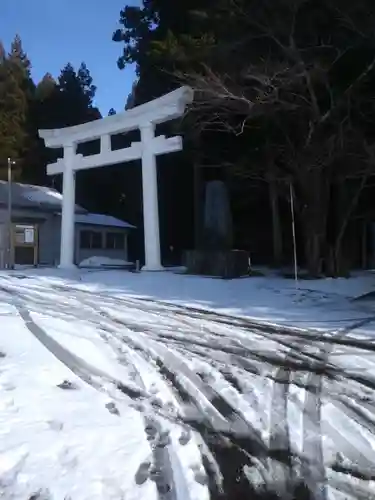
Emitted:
<point x="153" y="389"/>
<point x="67" y="385"/>
<point x="143" y="473"/>
<point x="163" y="440"/>
<point x="112" y="408"/>
<point x="199" y="474"/>
<point x="7" y="386"/>
<point x="11" y="464"/>
<point x="151" y="430"/>
<point x="157" y="476"/>
<point x="68" y="458"/>
<point x="162" y="487"/>
<point x="185" y="437"/>
<point x="201" y="477"/>
<point x="157" y="403"/>
<point x="160" y="439"/>
<point x="41" y="495"/>
<point x="55" y="425"/>
<point x="139" y="407"/>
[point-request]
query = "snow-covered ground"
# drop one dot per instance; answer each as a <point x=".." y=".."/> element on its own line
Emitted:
<point x="322" y="303"/>
<point x="116" y="385"/>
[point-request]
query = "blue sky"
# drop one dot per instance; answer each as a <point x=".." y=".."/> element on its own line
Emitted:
<point x="55" y="32"/>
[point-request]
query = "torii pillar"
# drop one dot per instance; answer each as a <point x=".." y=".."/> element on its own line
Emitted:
<point x="150" y="201"/>
<point x="145" y="118"/>
<point x="68" y="210"/>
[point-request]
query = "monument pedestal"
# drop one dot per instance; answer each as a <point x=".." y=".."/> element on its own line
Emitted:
<point x="227" y="264"/>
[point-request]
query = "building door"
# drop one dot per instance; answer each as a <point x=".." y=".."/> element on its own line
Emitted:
<point x="25" y="244"/>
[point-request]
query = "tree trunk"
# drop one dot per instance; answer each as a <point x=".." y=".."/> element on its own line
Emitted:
<point x="277" y="238"/>
<point x="313" y="253"/>
<point x="316" y="191"/>
<point x="197" y="207"/>
<point x="348" y="199"/>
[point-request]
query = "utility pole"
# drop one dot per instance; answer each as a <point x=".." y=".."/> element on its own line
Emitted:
<point x="9" y="229"/>
<point x="294" y="234"/>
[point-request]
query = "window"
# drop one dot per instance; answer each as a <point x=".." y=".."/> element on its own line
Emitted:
<point x="96" y="240"/>
<point x="85" y="239"/>
<point x="115" y="241"/>
<point x="91" y="239"/>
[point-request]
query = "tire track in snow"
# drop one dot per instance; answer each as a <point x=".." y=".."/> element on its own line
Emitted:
<point x="272" y="440"/>
<point x="314" y="364"/>
<point x="312" y="466"/>
<point x="240" y="448"/>
<point x="218" y="410"/>
<point x="313" y="470"/>
<point x="159" y="469"/>
<point x="281" y="463"/>
<point x="315" y="372"/>
<point x="279" y="441"/>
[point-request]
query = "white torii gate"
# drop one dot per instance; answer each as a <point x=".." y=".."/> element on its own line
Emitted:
<point x="145" y="118"/>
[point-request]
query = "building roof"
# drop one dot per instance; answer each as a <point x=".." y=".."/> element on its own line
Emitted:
<point x="33" y="197"/>
<point x="102" y="220"/>
<point x="46" y="199"/>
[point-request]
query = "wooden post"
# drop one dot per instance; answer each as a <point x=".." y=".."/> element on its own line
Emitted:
<point x="12" y="234"/>
<point x="294" y="235"/>
<point x="36" y="245"/>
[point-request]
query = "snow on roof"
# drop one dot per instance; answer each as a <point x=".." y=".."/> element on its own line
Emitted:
<point x="42" y="194"/>
<point x="101" y="220"/>
<point x="49" y="199"/>
<point x="29" y="196"/>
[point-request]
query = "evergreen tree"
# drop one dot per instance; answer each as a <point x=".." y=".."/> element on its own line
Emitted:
<point x="46" y="87"/>
<point x="85" y="80"/>
<point x="25" y="108"/>
<point x="295" y="75"/>
<point x="132" y="97"/>
<point x="65" y="102"/>
<point x="2" y="53"/>
<point x="143" y="27"/>
<point x="15" y="94"/>
<point x="76" y="94"/>
<point x="19" y="57"/>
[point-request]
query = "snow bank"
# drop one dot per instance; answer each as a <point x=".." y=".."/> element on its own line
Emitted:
<point x="97" y="261"/>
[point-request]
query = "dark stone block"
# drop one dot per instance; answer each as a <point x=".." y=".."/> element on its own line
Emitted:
<point x="227" y="264"/>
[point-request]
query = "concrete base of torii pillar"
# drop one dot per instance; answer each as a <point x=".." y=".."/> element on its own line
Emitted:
<point x="153" y="269"/>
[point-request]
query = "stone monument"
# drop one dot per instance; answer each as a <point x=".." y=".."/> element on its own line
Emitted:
<point x="217" y="225"/>
<point x="216" y="256"/>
